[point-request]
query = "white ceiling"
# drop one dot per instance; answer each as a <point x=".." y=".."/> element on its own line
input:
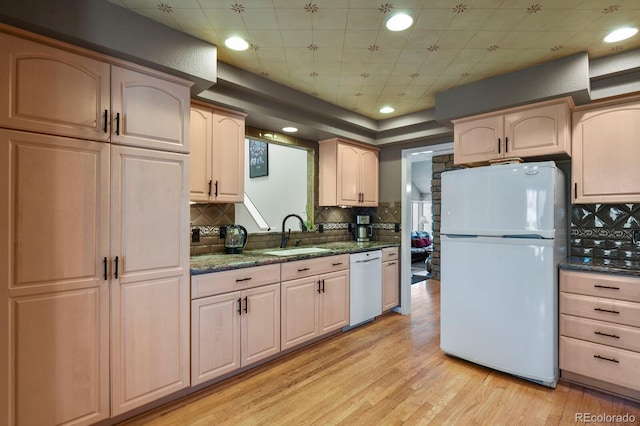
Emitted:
<point x="340" y="51"/>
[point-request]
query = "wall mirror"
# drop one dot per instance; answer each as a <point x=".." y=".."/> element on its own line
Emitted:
<point x="278" y="181"/>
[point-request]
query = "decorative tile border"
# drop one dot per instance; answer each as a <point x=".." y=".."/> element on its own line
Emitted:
<point x="208" y="230"/>
<point x="601" y="233"/>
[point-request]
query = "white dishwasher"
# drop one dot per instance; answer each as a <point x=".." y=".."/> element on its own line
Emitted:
<point x="365" y="287"/>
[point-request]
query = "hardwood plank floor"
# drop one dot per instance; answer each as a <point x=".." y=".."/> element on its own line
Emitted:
<point x="388" y="372"/>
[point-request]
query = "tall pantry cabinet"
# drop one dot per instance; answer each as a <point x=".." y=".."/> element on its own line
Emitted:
<point x="94" y="254"/>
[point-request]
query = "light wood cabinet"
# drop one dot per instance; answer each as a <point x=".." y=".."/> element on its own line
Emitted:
<point x="539" y="130"/>
<point x="317" y="302"/>
<point x="600" y="330"/>
<point x="390" y="278"/>
<point x="234" y="329"/>
<point x="54" y="298"/>
<point x="604" y="166"/>
<point x="148" y="111"/>
<point x="55" y="91"/>
<point x="217" y="138"/>
<point x="150" y="288"/>
<point x="94" y="234"/>
<point x="348" y="174"/>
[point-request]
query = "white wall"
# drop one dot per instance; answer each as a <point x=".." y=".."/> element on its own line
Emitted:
<point x="282" y="192"/>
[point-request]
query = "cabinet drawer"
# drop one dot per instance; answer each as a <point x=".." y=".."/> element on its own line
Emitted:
<point x="612" y="365"/>
<point x="309" y="267"/>
<point x="616" y="311"/>
<point x="390" y="253"/>
<point x="606" y="333"/>
<point x="237" y="279"/>
<point x="602" y="285"/>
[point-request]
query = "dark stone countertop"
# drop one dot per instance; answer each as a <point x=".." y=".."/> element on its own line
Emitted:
<point x="207" y="263"/>
<point x="592" y="264"/>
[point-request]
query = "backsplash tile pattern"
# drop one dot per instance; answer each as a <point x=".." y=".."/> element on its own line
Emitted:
<point x="604" y="231"/>
<point x="212" y="214"/>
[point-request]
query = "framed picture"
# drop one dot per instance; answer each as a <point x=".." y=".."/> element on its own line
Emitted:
<point x="258" y="158"/>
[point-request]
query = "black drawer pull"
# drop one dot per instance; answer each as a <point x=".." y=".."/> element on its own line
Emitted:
<point x="303" y="269"/>
<point x="606" y="359"/>
<point x="392" y="263"/>
<point x="606" y="310"/>
<point x="243" y="279"/>
<point x="337" y="264"/>
<point x="606" y="286"/>
<point x="600" y="333"/>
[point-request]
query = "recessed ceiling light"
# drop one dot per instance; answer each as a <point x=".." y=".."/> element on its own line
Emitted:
<point x="290" y="129"/>
<point x="236" y="43"/>
<point x="387" y="109"/>
<point x="399" y="22"/>
<point x="620" y="34"/>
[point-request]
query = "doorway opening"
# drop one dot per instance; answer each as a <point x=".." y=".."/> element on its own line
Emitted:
<point x="419" y="156"/>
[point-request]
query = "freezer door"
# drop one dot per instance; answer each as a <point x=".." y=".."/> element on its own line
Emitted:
<point x="517" y="199"/>
<point x="499" y="305"/>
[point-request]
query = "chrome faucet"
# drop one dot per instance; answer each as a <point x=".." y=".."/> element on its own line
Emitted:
<point x="284" y="239"/>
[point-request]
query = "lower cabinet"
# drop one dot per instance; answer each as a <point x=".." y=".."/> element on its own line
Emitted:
<point x="234" y="329"/>
<point x="390" y="278"/>
<point x="316" y="304"/>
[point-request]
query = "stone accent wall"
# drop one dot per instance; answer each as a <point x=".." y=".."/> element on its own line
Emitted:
<point x="441" y="164"/>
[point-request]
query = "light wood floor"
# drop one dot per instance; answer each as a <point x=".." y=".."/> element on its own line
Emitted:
<point x="388" y="372"/>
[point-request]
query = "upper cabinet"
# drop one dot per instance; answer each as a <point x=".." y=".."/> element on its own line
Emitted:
<point x="217" y="154"/>
<point x="55" y="91"/>
<point x="348" y="174"/>
<point x="606" y="152"/>
<point x="538" y="130"/>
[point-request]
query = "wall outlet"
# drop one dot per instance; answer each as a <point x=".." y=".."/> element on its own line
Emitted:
<point x="223" y="232"/>
<point x="320" y="228"/>
<point x="195" y="235"/>
<point x="635" y="236"/>
<point x="396" y="227"/>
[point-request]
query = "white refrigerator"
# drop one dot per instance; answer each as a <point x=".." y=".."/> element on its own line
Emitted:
<point x="503" y="234"/>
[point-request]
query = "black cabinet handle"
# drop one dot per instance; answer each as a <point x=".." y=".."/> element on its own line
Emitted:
<point x="105" y="269"/>
<point x="106" y="115"/>
<point x="499" y="143"/>
<point x="600" y="333"/>
<point x="243" y="279"/>
<point x="392" y="263"/>
<point x="319" y="286"/>
<point x="115" y="271"/>
<point x="606" y="310"/>
<point x="337" y="264"/>
<point x="606" y="359"/>
<point x="506" y="145"/>
<point x="246" y="304"/>
<point x="323" y="286"/>
<point x="216" y="188"/>
<point x="303" y="269"/>
<point x="606" y="286"/>
<point x="239" y="306"/>
<point x="575" y="190"/>
<point x="210" y="182"/>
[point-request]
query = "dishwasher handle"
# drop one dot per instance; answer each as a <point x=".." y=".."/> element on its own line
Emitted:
<point x="366" y="260"/>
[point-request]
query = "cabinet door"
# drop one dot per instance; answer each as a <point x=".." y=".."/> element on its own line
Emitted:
<point x="215" y="336"/>
<point x="605" y="154"/>
<point x="299" y="311"/>
<point x="369" y="178"/>
<point x="260" y="323"/>
<point x="348" y="173"/>
<point x="149" y="112"/>
<point x="390" y="285"/>
<point x="478" y="140"/>
<point x="334" y="301"/>
<point x="228" y="158"/>
<point x="201" y="128"/>
<point x="538" y="131"/>
<point x="49" y="90"/>
<point x="54" y="299"/>
<point x="150" y="294"/>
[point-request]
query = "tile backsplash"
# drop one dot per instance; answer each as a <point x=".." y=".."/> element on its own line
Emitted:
<point x="605" y="231"/>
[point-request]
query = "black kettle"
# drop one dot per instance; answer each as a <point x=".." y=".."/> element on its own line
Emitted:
<point x="235" y="239"/>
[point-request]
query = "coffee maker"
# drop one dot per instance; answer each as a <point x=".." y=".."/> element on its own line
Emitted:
<point x="363" y="229"/>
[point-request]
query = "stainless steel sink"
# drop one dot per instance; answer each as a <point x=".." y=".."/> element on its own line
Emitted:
<point x="296" y="251"/>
